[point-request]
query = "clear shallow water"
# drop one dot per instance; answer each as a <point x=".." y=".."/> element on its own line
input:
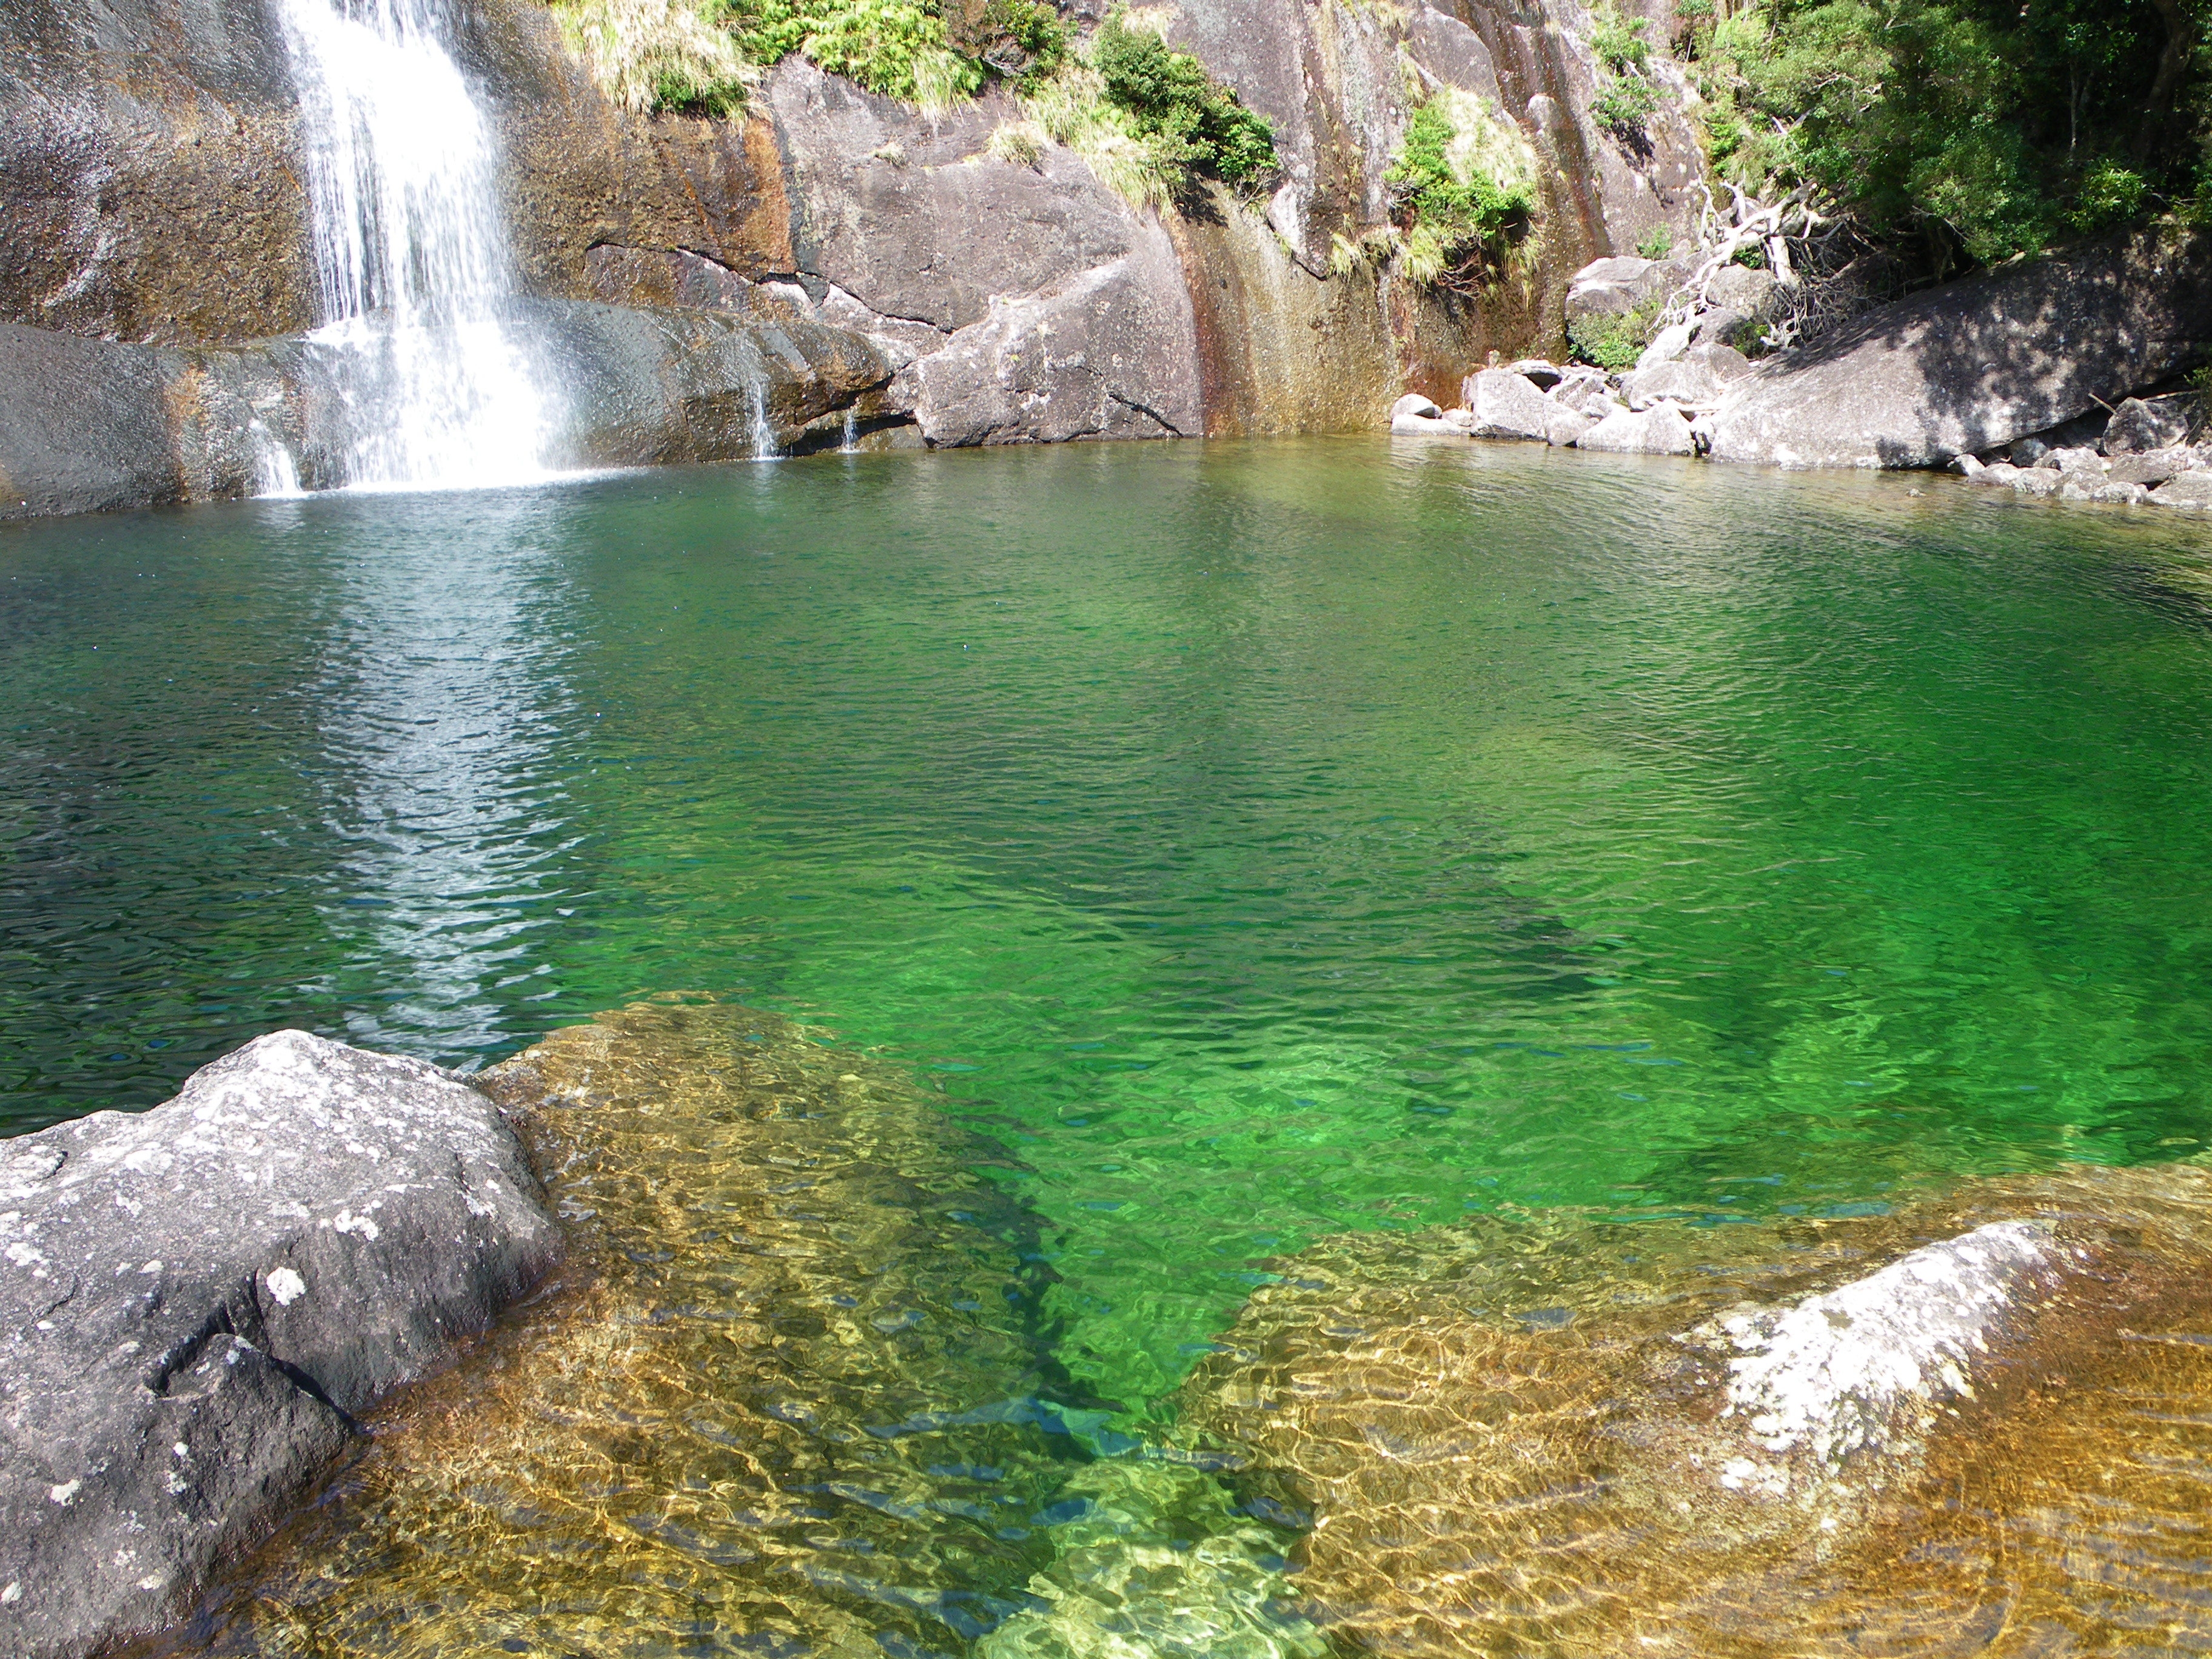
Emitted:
<point x="1256" y="842"/>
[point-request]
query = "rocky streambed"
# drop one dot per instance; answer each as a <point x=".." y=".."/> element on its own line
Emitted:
<point x="786" y="1387"/>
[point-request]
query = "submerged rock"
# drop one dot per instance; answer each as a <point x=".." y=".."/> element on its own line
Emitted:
<point x="1549" y="1436"/>
<point x="198" y="1299"/>
<point x="791" y="1392"/>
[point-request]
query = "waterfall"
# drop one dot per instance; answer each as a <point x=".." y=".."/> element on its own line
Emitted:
<point x="435" y="384"/>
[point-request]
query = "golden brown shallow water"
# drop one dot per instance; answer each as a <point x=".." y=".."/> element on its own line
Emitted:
<point x="1506" y="1450"/>
<point x="793" y="1396"/>
<point x="788" y="1399"/>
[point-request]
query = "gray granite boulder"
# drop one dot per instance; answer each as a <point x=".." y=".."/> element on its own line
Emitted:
<point x="2153" y="466"/>
<point x="1680" y="380"/>
<point x="195" y="1301"/>
<point x="2191" y="490"/>
<point x="1506" y="404"/>
<point x="1972" y="366"/>
<point x="1659" y="430"/>
<point x="1615" y="285"/>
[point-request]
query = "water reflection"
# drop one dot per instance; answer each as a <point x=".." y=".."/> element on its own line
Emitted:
<point x="443" y="694"/>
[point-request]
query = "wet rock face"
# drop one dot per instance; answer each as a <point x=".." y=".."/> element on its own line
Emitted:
<point x="196" y="1300"/>
<point x="1973" y="366"/>
<point x="148" y="184"/>
<point x="97" y="426"/>
<point x="1545" y="1436"/>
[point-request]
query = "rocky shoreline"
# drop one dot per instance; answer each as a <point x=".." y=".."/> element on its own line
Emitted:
<point x="2068" y="385"/>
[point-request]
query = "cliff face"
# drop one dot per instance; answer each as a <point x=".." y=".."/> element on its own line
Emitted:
<point x="151" y="192"/>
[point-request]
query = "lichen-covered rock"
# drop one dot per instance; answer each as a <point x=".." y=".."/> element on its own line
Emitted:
<point x="195" y="1302"/>
<point x="1968" y="367"/>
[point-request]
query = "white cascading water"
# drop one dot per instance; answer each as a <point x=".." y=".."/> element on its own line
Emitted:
<point x="440" y="387"/>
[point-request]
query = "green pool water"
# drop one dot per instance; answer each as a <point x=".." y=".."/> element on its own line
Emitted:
<point x="1256" y="842"/>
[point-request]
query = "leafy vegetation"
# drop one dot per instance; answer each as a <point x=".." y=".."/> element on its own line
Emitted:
<point x="1614" y="342"/>
<point x="1191" y="119"/>
<point x="1625" y="98"/>
<point x="1970" y="130"/>
<point x="1463" y="177"/>
<point x="1146" y="119"/>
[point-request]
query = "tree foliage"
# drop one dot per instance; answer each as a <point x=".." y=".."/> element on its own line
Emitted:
<point x="1980" y="129"/>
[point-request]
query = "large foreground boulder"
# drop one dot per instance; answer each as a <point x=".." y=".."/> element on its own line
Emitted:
<point x="196" y="1301"/>
<point x="1969" y="367"/>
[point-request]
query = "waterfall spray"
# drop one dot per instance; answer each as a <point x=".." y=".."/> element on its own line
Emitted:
<point x="438" y="387"/>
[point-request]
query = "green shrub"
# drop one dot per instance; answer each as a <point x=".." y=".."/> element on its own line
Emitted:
<point x="1657" y="242"/>
<point x="1614" y="342"/>
<point x="1021" y="40"/>
<point x="1191" y="119"/>
<point x="1619" y="43"/>
<point x="899" y="48"/>
<point x="1463" y="176"/>
<point x="1622" y="105"/>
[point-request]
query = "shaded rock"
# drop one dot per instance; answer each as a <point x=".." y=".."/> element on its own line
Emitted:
<point x="1585" y="391"/>
<point x="1679" y="381"/>
<point x="1721" y="327"/>
<point x="199" y="1298"/>
<point x="2028" y="451"/>
<point x="2139" y="424"/>
<point x="1661" y="429"/>
<point x="1739" y="288"/>
<point x="1414" y="402"/>
<point x="653" y="386"/>
<point x="1724" y="360"/>
<point x="1538" y="372"/>
<point x="1506" y="404"/>
<point x="93" y="425"/>
<point x="1972" y="366"/>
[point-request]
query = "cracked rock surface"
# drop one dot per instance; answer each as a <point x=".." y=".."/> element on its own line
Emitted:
<point x="196" y="1300"/>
